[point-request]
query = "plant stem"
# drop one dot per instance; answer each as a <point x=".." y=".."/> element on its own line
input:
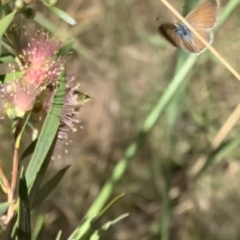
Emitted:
<point x="15" y="169"/>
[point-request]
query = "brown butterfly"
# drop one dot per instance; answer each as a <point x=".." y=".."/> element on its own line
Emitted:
<point x="202" y="18"/>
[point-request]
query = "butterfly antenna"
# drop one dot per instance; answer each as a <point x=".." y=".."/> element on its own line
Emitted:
<point x="160" y="19"/>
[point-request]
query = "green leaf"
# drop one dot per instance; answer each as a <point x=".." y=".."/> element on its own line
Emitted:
<point x="5" y="22"/>
<point x="4" y="207"/>
<point x="217" y="155"/>
<point x="58" y="237"/>
<point x="110" y="204"/>
<point x="48" y="133"/>
<point x="38" y="227"/>
<point x="40" y="176"/>
<point x="65" y="49"/>
<point x="188" y="6"/>
<point x="6" y="58"/>
<point x="61" y="14"/>
<point x="24" y="218"/>
<point x="29" y="150"/>
<point x="43" y="193"/>
<point x="106" y="227"/>
<point x="87" y="229"/>
<point x="226" y="13"/>
<point x="12" y="76"/>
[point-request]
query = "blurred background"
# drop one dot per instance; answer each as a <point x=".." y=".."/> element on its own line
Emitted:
<point x="125" y="66"/>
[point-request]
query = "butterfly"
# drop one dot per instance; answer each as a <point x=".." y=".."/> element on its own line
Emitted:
<point x="202" y="18"/>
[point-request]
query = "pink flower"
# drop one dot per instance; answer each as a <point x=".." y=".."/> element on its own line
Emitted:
<point x="41" y="68"/>
<point x="42" y="64"/>
<point x="36" y="86"/>
<point x="73" y="101"/>
<point x="19" y="97"/>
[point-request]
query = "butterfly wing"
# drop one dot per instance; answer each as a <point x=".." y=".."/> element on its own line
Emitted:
<point x="169" y="32"/>
<point x="204" y="15"/>
<point x="193" y="44"/>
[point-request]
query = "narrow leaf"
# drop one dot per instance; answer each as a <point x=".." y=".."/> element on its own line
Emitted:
<point x="41" y="174"/>
<point x="4" y="207"/>
<point x="12" y="76"/>
<point x="6" y="58"/>
<point x="61" y="14"/>
<point x="106" y="227"/>
<point x="59" y="235"/>
<point x="91" y="224"/>
<point x="65" y="49"/>
<point x="43" y="193"/>
<point x="218" y="154"/>
<point x="38" y="227"/>
<point x="29" y="150"/>
<point x="24" y="219"/>
<point x="48" y="133"/>
<point x="5" y="22"/>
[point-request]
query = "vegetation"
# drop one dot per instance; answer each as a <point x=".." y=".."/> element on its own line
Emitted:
<point x="153" y="153"/>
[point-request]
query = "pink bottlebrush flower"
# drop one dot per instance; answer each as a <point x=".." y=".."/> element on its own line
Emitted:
<point x="41" y="68"/>
<point x="19" y="97"/>
<point x="72" y="103"/>
<point x="42" y="65"/>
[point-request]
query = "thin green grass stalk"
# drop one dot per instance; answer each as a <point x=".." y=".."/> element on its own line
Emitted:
<point x="218" y="155"/>
<point x="174" y="108"/>
<point x="166" y="201"/>
<point x="229" y="8"/>
<point x="173" y="113"/>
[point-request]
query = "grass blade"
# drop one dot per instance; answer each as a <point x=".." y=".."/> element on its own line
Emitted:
<point x="61" y="14"/>
<point x="58" y="237"/>
<point x="24" y="219"/>
<point x="43" y="193"/>
<point x="222" y="151"/>
<point x="48" y="133"/>
<point x="5" y="23"/>
<point x="4" y="207"/>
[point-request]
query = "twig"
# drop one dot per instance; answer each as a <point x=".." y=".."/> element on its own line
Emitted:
<point x="12" y="188"/>
<point x="227" y="127"/>
<point x="15" y="169"/>
<point x="219" y="138"/>
<point x="15" y="163"/>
